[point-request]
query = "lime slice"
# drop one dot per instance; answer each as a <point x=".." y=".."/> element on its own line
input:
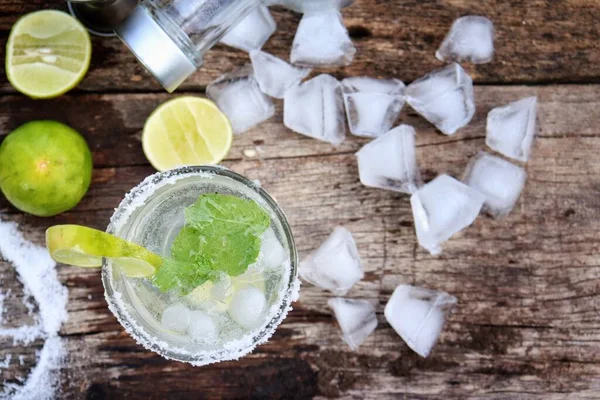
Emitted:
<point x="48" y="53"/>
<point x="186" y="131"/>
<point x="86" y="247"/>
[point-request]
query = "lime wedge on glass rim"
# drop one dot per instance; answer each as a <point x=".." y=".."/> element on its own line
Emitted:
<point x="86" y="247"/>
<point x="47" y="54"/>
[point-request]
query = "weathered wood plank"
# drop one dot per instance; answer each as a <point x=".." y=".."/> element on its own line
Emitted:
<point x="527" y="322"/>
<point x="537" y="42"/>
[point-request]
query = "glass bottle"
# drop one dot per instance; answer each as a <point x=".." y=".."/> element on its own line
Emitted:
<point x="170" y="37"/>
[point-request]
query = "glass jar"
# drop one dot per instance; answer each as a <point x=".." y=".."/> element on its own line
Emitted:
<point x="170" y="37"/>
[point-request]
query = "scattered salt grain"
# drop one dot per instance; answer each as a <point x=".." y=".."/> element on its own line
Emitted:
<point x="4" y="364"/>
<point x="36" y="270"/>
<point x="42" y="382"/>
<point x="2" y="297"/>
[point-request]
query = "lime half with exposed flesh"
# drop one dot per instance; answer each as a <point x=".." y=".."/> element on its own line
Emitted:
<point x="47" y="54"/>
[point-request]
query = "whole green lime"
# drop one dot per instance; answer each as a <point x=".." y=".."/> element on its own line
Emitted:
<point x="45" y="168"/>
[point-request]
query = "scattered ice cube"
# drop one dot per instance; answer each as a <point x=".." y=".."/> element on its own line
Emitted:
<point x="316" y="109"/>
<point x="470" y="39"/>
<point x="274" y="75"/>
<point x="238" y="95"/>
<point x="372" y="105"/>
<point x="418" y="316"/>
<point x="389" y="162"/>
<point x="499" y="180"/>
<point x="202" y="327"/>
<point x="176" y="317"/>
<point x="443" y="208"/>
<point x="356" y="319"/>
<point x="322" y="40"/>
<point x="511" y="128"/>
<point x="444" y="97"/>
<point x="311" y="6"/>
<point x="252" y="32"/>
<point x="247" y="306"/>
<point x="272" y="252"/>
<point x="335" y="265"/>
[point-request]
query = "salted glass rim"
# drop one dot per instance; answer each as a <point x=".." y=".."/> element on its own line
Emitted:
<point x="145" y="192"/>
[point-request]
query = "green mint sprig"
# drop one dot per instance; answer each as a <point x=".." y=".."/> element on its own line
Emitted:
<point x="222" y="233"/>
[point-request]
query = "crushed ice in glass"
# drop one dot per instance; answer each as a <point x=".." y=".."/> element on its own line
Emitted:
<point x="356" y="319"/>
<point x="176" y="318"/>
<point x="389" y="162"/>
<point x="322" y="40"/>
<point x="418" y="316"/>
<point x="272" y="253"/>
<point x="443" y="208"/>
<point x="511" y="128"/>
<point x="202" y="327"/>
<point x="316" y="109"/>
<point x="470" y="39"/>
<point x="238" y="95"/>
<point x="500" y="181"/>
<point x="335" y="266"/>
<point x="372" y="105"/>
<point x="311" y="6"/>
<point x="222" y="288"/>
<point x="444" y="97"/>
<point x="275" y="76"/>
<point x="247" y="306"/>
<point x="252" y="32"/>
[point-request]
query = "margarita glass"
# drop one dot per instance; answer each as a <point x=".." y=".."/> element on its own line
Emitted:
<point x="152" y="215"/>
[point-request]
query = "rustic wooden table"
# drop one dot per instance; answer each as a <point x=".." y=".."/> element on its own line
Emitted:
<point x="527" y="325"/>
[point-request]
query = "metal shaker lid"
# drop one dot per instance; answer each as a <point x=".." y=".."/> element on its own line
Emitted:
<point x="155" y="49"/>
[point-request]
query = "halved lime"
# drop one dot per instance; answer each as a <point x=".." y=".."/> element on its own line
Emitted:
<point x="86" y="247"/>
<point x="47" y="54"/>
<point x="186" y="131"/>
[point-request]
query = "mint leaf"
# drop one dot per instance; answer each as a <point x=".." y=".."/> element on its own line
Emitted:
<point x="222" y="234"/>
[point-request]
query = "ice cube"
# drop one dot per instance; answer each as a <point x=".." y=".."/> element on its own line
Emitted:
<point x="335" y="266"/>
<point x="316" y="109"/>
<point x="418" y="316"/>
<point x="252" y="32"/>
<point x="372" y="105"/>
<point x="470" y="39"/>
<point x="247" y="307"/>
<point x="356" y="319"/>
<point x="274" y="75"/>
<point x="272" y="252"/>
<point x="311" y="6"/>
<point x="202" y="327"/>
<point x="389" y="161"/>
<point x="222" y="288"/>
<point x="443" y="208"/>
<point x="176" y="318"/>
<point x="511" y="128"/>
<point x="322" y="40"/>
<point x="444" y="97"/>
<point x="238" y="95"/>
<point x="500" y="181"/>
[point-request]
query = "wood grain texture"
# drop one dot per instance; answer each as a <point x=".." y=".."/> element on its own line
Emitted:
<point x="527" y="324"/>
<point x="538" y="41"/>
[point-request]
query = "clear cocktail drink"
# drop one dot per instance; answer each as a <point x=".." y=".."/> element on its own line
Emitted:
<point x="221" y="318"/>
